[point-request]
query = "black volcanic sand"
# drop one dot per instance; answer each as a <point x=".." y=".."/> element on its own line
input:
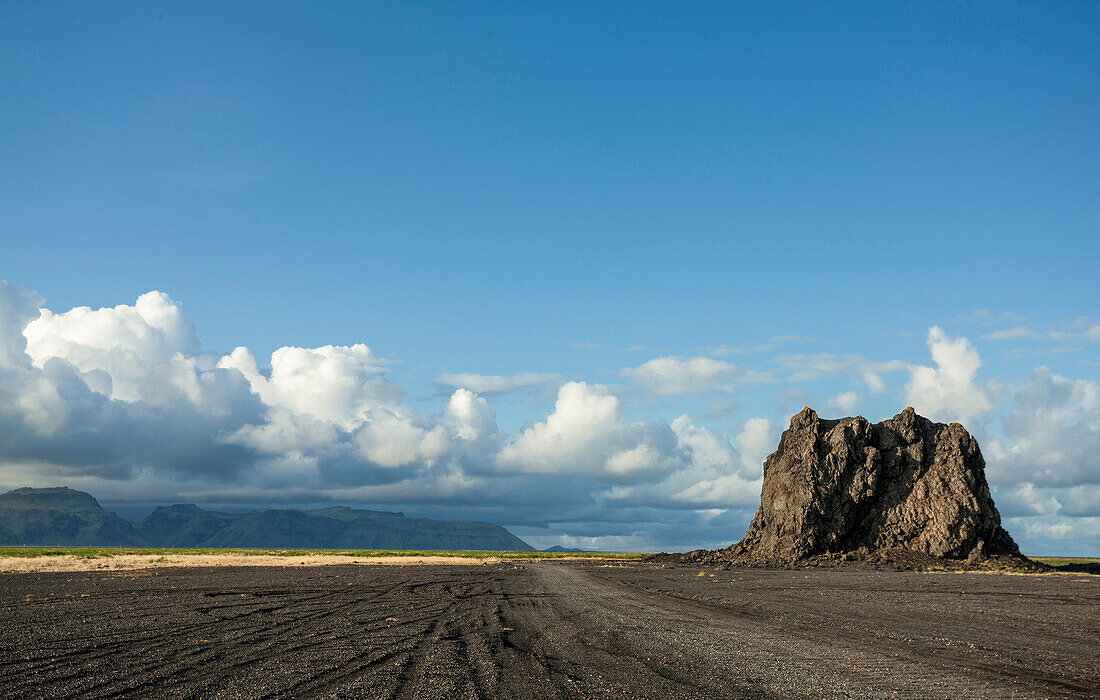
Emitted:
<point x="566" y="629"/>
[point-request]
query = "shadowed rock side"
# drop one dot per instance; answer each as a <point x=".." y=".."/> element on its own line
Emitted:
<point x="843" y="486"/>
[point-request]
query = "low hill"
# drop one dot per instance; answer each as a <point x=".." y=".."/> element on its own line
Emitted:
<point x="61" y="517"/>
<point x="64" y="517"/>
<point x="325" y="528"/>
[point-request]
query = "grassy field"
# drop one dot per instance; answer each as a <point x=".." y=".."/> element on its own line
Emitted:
<point x="97" y="552"/>
<point x="1062" y="561"/>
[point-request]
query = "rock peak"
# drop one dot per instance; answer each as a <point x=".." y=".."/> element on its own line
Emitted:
<point x="906" y="483"/>
<point x="803" y="418"/>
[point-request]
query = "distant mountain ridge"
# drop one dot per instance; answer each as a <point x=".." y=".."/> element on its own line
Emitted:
<point x="61" y="517"/>
<point x="64" y="517"/>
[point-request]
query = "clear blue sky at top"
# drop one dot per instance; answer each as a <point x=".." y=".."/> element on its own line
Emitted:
<point x="476" y="187"/>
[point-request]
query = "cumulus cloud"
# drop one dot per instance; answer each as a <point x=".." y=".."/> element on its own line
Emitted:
<point x="587" y="434"/>
<point x="148" y="351"/>
<point x="1044" y="463"/>
<point x="1051" y="438"/>
<point x="845" y="402"/>
<point x="497" y="384"/>
<point x="712" y="475"/>
<point x="470" y="417"/>
<point x="758" y="439"/>
<point x="128" y="390"/>
<point x="76" y="403"/>
<point x="699" y="375"/>
<point x="949" y="391"/>
<point x="1057" y="535"/>
<point x="18" y="307"/>
<point x="125" y="402"/>
<point x="340" y="385"/>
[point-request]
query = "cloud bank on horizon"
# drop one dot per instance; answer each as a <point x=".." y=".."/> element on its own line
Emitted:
<point x="125" y="402"/>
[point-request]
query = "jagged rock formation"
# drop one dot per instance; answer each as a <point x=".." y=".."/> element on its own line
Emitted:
<point x="839" y="486"/>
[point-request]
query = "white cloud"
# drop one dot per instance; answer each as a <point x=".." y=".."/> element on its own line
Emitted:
<point x="395" y="440"/>
<point x="1078" y="331"/>
<point x="586" y="434"/>
<point x="1011" y="333"/>
<point x="708" y="449"/>
<point x="790" y="339"/>
<point x="726" y="350"/>
<point x="18" y="307"/>
<point x="337" y="384"/>
<point x="335" y="402"/>
<point x="283" y="432"/>
<point x="126" y="403"/>
<point x="700" y="375"/>
<point x="640" y="459"/>
<point x="497" y="384"/>
<point x="1056" y="535"/>
<point x="1028" y="500"/>
<point x="129" y="389"/>
<point x="758" y="439"/>
<point x="470" y="416"/>
<point x="874" y="382"/>
<point x="713" y="476"/>
<point x="124" y="400"/>
<point x="1051" y="438"/>
<point x="145" y="349"/>
<point x="805" y="368"/>
<point x="845" y="402"/>
<point x="948" y="392"/>
<point x="1083" y="500"/>
<point x="76" y="402"/>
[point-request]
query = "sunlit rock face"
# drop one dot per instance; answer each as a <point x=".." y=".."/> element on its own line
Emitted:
<point x="841" y="485"/>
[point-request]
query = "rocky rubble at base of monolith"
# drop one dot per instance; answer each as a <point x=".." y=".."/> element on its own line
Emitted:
<point x="904" y="493"/>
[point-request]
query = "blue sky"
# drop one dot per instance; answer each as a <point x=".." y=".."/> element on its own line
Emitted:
<point x="576" y="190"/>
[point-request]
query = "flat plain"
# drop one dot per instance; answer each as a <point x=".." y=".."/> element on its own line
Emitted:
<point x="530" y="629"/>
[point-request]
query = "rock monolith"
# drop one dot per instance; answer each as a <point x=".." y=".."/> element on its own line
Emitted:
<point x="846" y="485"/>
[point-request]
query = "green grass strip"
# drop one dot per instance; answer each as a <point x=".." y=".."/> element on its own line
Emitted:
<point x="96" y="552"/>
<point x="1062" y="561"/>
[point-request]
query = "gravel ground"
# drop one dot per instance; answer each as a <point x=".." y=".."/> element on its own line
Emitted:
<point x="562" y="629"/>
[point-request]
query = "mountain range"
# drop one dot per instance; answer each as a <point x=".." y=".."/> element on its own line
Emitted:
<point x="63" y="517"/>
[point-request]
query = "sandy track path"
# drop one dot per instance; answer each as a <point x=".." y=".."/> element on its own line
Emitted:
<point x="673" y="631"/>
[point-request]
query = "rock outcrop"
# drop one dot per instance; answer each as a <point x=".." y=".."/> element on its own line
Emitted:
<point x="842" y="486"/>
